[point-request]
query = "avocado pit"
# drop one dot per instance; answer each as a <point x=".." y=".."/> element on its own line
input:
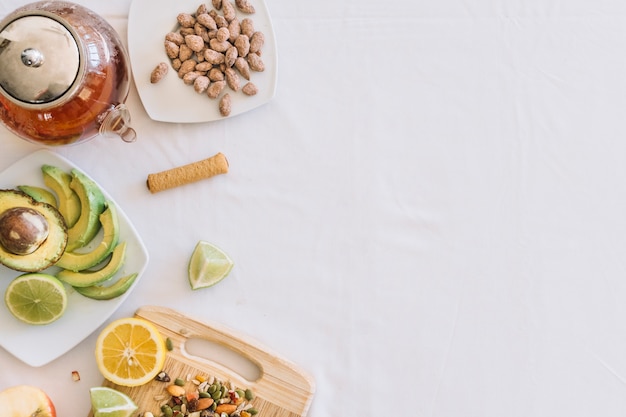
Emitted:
<point x="22" y="230"/>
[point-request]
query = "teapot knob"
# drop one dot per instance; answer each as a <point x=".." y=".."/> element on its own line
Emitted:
<point x="32" y="57"/>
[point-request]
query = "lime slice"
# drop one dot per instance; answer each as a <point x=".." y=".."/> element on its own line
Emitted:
<point x="208" y="265"/>
<point x="108" y="402"/>
<point x="36" y="298"/>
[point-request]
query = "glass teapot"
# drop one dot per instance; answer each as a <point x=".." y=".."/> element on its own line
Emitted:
<point x="64" y="75"/>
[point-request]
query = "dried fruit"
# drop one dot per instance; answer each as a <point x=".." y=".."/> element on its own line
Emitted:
<point x="163" y="376"/>
<point x="226" y="408"/>
<point x="210" y="394"/>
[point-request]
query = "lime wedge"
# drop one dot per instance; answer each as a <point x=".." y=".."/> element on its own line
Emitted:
<point x="108" y="402"/>
<point x="208" y="265"/>
<point x="36" y="298"/>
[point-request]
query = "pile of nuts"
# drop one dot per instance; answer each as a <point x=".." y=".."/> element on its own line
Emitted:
<point x="209" y="397"/>
<point x="213" y="50"/>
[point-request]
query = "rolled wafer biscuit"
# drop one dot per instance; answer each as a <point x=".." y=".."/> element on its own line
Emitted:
<point x="185" y="174"/>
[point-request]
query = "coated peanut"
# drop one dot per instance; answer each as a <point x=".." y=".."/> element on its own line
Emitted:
<point x="245" y="6"/>
<point x="249" y="89"/>
<point x="201" y="83"/>
<point x="158" y="72"/>
<point x="213" y="48"/>
<point x="256" y="63"/>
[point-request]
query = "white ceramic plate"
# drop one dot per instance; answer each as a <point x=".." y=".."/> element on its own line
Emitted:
<point x="171" y="100"/>
<point x="38" y="345"/>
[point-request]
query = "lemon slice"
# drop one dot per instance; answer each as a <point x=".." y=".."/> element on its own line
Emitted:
<point x="130" y="352"/>
<point x="208" y="265"/>
<point x="108" y="402"/>
<point x="36" y="298"/>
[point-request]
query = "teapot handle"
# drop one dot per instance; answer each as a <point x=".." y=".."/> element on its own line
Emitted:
<point x="116" y="122"/>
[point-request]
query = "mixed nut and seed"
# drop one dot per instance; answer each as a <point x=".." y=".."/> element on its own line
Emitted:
<point x="207" y="397"/>
<point x="213" y="50"/>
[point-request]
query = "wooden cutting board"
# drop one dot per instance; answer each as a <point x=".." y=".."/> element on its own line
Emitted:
<point x="281" y="388"/>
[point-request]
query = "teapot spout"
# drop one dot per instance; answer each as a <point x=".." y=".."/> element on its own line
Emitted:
<point x="116" y="122"/>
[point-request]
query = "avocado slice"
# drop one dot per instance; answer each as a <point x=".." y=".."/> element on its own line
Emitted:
<point x="101" y="292"/>
<point x="79" y="261"/>
<point x="92" y="204"/>
<point x="50" y="250"/>
<point x="68" y="202"/>
<point x="88" y="278"/>
<point x="39" y="194"/>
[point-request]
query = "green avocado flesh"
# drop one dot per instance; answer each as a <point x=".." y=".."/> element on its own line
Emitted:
<point x="39" y="194"/>
<point x="49" y="252"/>
<point x="78" y="261"/>
<point x="92" y="204"/>
<point x="88" y="252"/>
<point x="59" y="182"/>
<point x="88" y="278"/>
<point x="101" y="292"/>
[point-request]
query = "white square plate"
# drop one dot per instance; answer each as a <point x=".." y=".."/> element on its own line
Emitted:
<point x="83" y="315"/>
<point x="170" y="100"/>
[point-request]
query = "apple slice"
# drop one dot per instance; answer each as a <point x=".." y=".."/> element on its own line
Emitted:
<point x="26" y="401"/>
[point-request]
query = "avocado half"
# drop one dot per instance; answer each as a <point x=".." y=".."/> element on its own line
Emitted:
<point x="49" y="252"/>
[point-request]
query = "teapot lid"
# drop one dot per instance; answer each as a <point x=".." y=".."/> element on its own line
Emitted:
<point x="39" y="59"/>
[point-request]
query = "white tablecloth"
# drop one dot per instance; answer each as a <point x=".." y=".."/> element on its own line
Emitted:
<point x="429" y="217"/>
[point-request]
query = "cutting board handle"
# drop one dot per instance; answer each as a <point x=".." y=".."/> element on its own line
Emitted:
<point x="181" y="328"/>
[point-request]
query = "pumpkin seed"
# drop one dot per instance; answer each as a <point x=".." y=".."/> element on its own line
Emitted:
<point x="249" y="394"/>
<point x="167" y="411"/>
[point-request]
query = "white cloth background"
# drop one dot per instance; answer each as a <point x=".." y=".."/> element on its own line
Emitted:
<point x="429" y="217"/>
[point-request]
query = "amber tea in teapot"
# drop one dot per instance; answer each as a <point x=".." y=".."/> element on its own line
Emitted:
<point x="64" y="75"/>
